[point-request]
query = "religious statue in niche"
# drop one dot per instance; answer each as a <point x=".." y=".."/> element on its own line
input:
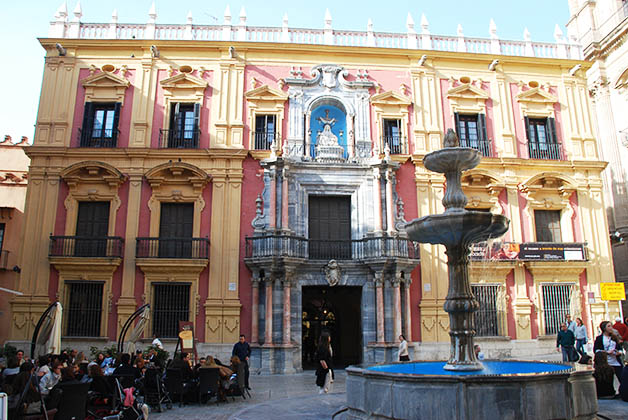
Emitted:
<point x="326" y="137"/>
<point x="333" y="272"/>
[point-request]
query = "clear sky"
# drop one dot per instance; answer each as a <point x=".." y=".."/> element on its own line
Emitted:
<point x="23" y="21"/>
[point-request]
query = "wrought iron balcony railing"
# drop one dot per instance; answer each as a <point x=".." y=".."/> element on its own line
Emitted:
<point x="483" y="146"/>
<point x="80" y="246"/>
<point x="263" y="140"/>
<point x="98" y="138"/>
<point x="396" y="144"/>
<point x="193" y="248"/>
<point x="179" y="139"/>
<point x="4" y="259"/>
<point x="547" y="151"/>
<point x="268" y="246"/>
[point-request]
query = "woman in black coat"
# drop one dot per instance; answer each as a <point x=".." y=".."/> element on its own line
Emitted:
<point x="609" y="342"/>
<point x="323" y="361"/>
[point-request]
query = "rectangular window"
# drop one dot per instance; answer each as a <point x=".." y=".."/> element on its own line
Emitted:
<point x="547" y="225"/>
<point x="92" y="229"/>
<point x="542" y="141"/>
<point x="487" y="318"/>
<point x="329" y="227"/>
<point x="265" y="131"/>
<point x="100" y="124"/>
<point x="471" y="130"/>
<point x="175" y="230"/>
<point x="84" y="310"/>
<point x="184" y="131"/>
<point x="556" y="299"/>
<point x="392" y="136"/>
<point x="171" y="304"/>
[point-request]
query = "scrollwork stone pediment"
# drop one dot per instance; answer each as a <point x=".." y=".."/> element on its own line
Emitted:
<point x="329" y="76"/>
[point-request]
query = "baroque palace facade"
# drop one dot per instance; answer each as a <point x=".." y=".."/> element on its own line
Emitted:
<point x="257" y="180"/>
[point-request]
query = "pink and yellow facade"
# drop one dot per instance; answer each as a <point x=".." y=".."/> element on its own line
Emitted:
<point x="261" y="188"/>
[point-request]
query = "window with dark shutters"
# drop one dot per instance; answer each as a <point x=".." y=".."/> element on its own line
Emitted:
<point x="471" y="130"/>
<point x="542" y="140"/>
<point x="100" y="124"/>
<point x="393" y="137"/>
<point x="265" y="131"/>
<point x="184" y="130"/>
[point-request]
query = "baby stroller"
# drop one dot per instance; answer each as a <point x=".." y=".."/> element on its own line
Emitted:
<point x="127" y="405"/>
<point x="155" y="391"/>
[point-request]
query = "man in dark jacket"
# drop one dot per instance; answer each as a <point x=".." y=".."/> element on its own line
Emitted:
<point x="242" y="349"/>
<point x="565" y="340"/>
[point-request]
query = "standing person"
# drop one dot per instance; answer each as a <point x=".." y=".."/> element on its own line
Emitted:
<point x="622" y="329"/>
<point x="478" y="352"/>
<point x="565" y="341"/>
<point x="403" y="349"/>
<point x="571" y="326"/>
<point x="20" y="357"/>
<point x="157" y="343"/>
<point x="581" y="337"/>
<point x="603" y="375"/>
<point x="242" y="349"/>
<point x="608" y="342"/>
<point x="323" y="363"/>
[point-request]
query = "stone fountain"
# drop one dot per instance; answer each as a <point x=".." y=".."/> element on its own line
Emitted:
<point x="464" y="388"/>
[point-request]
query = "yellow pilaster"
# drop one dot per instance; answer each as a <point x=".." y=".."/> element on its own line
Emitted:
<point x="143" y="103"/>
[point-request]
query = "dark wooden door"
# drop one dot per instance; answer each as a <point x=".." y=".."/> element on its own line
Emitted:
<point x="92" y="228"/>
<point x="330" y="227"/>
<point x="175" y="230"/>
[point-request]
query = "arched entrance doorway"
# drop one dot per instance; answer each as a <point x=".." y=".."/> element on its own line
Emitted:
<point x="336" y="310"/>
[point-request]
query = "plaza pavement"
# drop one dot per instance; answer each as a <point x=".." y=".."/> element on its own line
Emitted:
<point x="296" y="397"/>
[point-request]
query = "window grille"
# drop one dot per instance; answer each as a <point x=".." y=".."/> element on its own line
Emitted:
<point x="556" y="299"/>
<point x="84" y="310"/>
<point x="393" y="136"/>
<point x="488" y="318"/>
<point x="171" y="305"/>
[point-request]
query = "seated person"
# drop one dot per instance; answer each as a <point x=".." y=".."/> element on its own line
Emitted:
<point x="603" y="375"/>
<point x="12" y="369"/>
<point x="183" y="363"/>
<point x="22" y="380"/>
<point x="224" y="372"/>
<point x="49" y="380"/>
<point x="99" y="383"/>
<point x="125" y="368"/>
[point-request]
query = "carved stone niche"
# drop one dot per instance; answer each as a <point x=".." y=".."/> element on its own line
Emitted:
<point x="176" y="182"/>
<point x="91" y="181"/>
<point x="105" y="87"/>
<point x="482" y="189"/>
<point x="550" y="191"/>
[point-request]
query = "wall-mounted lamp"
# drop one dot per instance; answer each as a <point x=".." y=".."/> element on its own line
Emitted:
<point x="154" y="51"/>
<point x="575" y="69"/>
<point x="493" y="65"/>
<point x="422" y="60"/>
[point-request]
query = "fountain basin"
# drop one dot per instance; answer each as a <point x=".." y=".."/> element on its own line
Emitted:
<point x="464" y="227"/>
<point x="452" y="159"/>
<point x="503" y="390"/>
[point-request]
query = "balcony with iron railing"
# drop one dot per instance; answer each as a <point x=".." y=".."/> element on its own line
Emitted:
<point x="86" y="247"/>
<point x="178" y="248"/>
<point x="397" y="145"/>
<point x="179" y="139"/>
<point x="292" y="246"/>
<point x="99" y="138"/>
<point x="4" y="260"/>
<point x="545" y="151"/>
<point x="483" y="146"/>
<point x="262" y="140"/>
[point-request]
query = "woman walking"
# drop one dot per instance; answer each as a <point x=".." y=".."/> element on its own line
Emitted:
<point x="608" y="342"/>
<point x="581" y="337"/>
<point x="403" y="349"/>
<point x="323" y="360"/>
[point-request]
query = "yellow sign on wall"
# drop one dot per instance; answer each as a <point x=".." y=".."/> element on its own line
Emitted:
<point x="613" y="291"/>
